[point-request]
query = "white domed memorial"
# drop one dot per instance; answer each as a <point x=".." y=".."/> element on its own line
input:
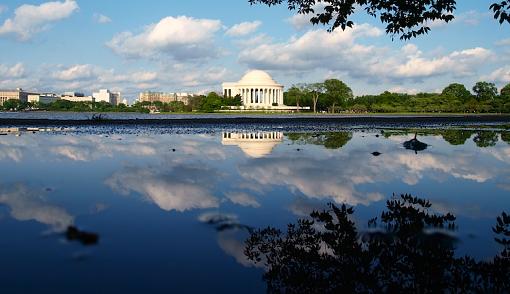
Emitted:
<point x="258" y="90"/>
<point x="253" y="144"/>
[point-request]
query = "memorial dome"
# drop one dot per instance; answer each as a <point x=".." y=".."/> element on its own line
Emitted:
<point x="257" y="77"/>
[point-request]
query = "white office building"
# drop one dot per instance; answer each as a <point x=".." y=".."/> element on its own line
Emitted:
<point x="104" y="95"/>
<point x="43" y="98"/>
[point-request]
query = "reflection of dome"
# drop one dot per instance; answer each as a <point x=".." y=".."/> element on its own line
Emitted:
<point x="257" y="77"/>
<point x="254" y="145"/>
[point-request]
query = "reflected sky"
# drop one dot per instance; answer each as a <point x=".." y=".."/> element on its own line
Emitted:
<point x="150" y="197"/>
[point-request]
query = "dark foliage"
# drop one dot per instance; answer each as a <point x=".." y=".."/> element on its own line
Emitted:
<point x="411" y="250"/>
<point x="404" y="18"/>
<point x="501" y="11"/>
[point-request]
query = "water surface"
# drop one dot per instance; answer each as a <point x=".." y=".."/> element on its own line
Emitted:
<point x="151" y="197"/>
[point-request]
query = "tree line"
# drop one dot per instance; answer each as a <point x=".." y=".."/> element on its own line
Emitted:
<point x="333" y="96"/>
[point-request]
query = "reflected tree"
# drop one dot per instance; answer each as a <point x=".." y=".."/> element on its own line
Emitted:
<point x="505" y="136"/>
<point x="332" y="140"/>
<point x="485" y="139"/>
<point x="456" y="137"/>
<point x="411" y="250"/>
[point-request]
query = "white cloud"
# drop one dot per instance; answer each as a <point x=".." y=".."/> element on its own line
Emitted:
<point x="243" y="29"/>
<point x="500" y="75"/>
<point x="400" y="89"/>
<point x="302" y="21"/>
<point x="31" y="19"/>
<point x="76" y="72"/>
<point x="459" y="63"/>
<point x="101" y="18"/>
<point x="181" y="38"/>
<point x="503" y="42"/>
<point x="9" y="72"/>
<point x="342" y="53"/>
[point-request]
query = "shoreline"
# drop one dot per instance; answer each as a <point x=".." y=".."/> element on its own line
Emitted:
<point x="283" y="120"/>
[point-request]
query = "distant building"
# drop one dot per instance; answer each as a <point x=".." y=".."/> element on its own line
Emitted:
<point x="17" y="94"/>
<point x="164" y="97"/>
<point x="125" y="102"/>
<point x="105" y="95"/>
<point x="46" y="98"/>
<point x="76" y="97"/>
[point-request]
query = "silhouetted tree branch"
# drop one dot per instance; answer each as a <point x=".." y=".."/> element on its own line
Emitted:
<point x="404" y="18"/>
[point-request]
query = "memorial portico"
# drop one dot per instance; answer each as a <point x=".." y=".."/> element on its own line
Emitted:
<point x="257" y="89"/>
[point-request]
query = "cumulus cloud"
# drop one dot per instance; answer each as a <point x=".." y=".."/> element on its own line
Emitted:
<point x="500" y="75"/>
<point x="243" y="29"/>
<point x="76" y="72"/>
<point x="182" y="38"/>
<point x="29" y="19"/>
<point x="341" y="52"/>
<point x="313" y="49"/>
<point x="302" y="21"/>
<point x="101" y="18"/>
<point x="14" y="71"/>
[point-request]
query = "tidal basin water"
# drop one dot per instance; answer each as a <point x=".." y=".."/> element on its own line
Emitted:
<point x="152" y="198"/>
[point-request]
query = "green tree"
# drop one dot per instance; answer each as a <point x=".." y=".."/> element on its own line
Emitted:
<point x="295" y="95"/>
<point x="505" y="93"/>
<point x="404" y="18"/>
<point x="11" y="105"/>
<point x="315" y="89"/>
<point x="211" y="103"/>
<point x="485" y="91"/>
<point x="337" y="93"/>
<point x="456" y="91"/>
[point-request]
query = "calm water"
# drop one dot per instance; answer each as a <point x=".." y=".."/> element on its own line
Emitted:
<point x="150" y="197"/>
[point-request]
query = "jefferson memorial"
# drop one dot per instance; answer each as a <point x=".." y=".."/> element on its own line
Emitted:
<point x="253" y="144"/>
<point x="258" y="90"/>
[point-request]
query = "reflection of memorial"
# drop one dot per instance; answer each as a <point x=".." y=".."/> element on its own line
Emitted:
<point x="253" y="144"/>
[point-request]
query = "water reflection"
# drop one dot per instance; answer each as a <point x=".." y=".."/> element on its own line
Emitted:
<point x="179" y="187"/>
<point x="332" y="140"/>
<point x="248" y="178"/>
<point x="412" y="251"/>
<point x="27" y="204"/>
<point x="253" y="144"/>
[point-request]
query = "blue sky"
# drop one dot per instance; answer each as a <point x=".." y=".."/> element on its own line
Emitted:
<point x="193" y="45"/>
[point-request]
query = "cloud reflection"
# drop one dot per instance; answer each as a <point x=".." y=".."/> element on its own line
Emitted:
<point x="178" y="188"/>
<point x="26" y="204"/>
